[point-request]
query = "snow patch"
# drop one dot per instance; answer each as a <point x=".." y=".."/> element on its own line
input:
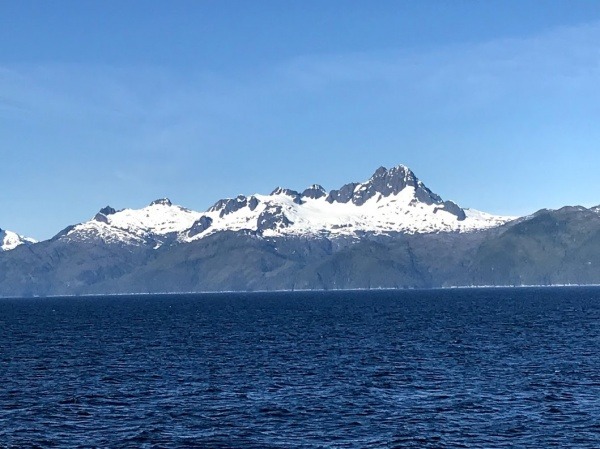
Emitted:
<point x="10" y="240"/>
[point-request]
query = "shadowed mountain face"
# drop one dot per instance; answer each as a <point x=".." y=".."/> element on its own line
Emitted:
<point x="551" y="247"/>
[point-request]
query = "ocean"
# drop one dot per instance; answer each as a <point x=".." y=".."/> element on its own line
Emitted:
<point x="472" y="368"/>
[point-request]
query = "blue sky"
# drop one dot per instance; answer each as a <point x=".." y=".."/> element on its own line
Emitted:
<point x="493" y="104"/>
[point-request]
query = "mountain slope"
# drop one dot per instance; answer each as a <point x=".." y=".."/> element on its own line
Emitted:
<point x="246" y="261"/>
<point x="10" y="240"/>
<point x="388" y="232"/>
<point x="550" y="247"/>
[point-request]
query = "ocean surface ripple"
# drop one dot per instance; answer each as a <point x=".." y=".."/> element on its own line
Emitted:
<point x="493" y="368"/>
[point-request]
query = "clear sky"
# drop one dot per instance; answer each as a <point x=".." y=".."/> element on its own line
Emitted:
<point x="493" y="104"/>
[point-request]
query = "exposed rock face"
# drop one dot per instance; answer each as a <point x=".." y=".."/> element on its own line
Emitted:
<point x="272" y="218"/>
<point x="315" y="191"/>
<point x="453" y="208"/>
<point x="63" y="232"/>
<point x="101" y="218"/>
<point x="252" y="203"/>
<point x="391" y="182"/>
<point x="162" y="202"/>
<point x="102" y="215"/>
<point x="344" y="194"/>
<point x="296" y="197"/>
<point x="310" y="213"/>
<point x="200" y="226"/>
<point x="107" y="211"/>
<point x="386" y="182"/>
<point x="229" y="205"/>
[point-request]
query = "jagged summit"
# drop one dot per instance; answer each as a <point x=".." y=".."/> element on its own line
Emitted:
<point x="102" y="215"/>
<point x="161" y="202"/>
<point x="283" y="191"/>
<point x="107" y="211"/>
<point x="229" y="205"/>
<point x="391" y="201"/>
<point x="295" y="196"/>
<point x="315" y="191"/>
<point x="385" y="182"/>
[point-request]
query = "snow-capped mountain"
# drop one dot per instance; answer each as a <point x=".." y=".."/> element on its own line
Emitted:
<point x="10" y="240"/>
<point x="390" y="201"/>
<point x="155" y="224"/>
<point x="389" y="231"/>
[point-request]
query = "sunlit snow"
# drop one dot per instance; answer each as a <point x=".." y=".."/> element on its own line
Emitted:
<point x="137" y="226"/>
<point x="395" y="213"/>
<point x="290" y="215"/>
<point x="10" y="240"/>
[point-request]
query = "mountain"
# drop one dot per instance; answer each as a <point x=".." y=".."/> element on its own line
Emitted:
<point x="389" y="231"/>
<point x="10" y="240"/>
<point x="391" y="201"/>
<point x="550" y="247"/>
<point x="159" y="223"/>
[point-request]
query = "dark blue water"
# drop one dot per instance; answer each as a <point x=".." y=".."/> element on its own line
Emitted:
<point x="453" y="368"/>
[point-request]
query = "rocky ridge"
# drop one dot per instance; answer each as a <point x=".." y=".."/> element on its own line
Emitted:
<point x="390" y="201"/>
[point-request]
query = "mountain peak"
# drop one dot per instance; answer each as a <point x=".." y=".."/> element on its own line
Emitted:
<point x="230" y="205"/>
<point x="388" y="182"/>
<point x="283" y="191"/>
<point x="10" y="240"/>
<point x="398" y="172"/>
<point x="289" y="192"/>
<point x="162" y="202"/>
<point x="107" y="211"/>
<point x="315" y="191"/>
<point x="102" y="215"/>
<point x="385" y="182"/>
